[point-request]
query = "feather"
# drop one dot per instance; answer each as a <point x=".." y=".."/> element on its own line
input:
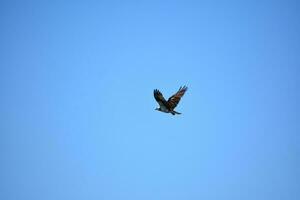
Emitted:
<point x="174" y="99"/>
<point x="160" y="98"/>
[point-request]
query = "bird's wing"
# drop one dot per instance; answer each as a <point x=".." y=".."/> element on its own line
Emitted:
<point x="174" y="99"/>
<point x="159" y="98"/>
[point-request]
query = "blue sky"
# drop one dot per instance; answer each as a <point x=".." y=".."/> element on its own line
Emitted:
<point x="77" y="107"/>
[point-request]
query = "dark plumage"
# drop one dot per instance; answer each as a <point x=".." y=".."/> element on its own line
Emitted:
<point x="168" y="106"/>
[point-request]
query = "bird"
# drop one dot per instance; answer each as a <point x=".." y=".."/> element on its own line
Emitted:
<point x="169" y="106"/>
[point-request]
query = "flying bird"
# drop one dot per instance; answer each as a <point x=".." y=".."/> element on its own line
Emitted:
<point x="169" y="106"/>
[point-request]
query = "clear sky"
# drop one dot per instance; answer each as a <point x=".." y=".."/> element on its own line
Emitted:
<point x="77" y="112"/>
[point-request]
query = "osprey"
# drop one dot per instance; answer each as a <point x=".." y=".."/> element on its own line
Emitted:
<point x="168" y="106"/>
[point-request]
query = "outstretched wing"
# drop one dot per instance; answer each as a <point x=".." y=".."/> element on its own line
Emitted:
<point x="174" y="99"/>
<point x="159" y="98"/>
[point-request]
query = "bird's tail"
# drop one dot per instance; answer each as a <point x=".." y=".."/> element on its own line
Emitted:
<point x="175" y="112"/>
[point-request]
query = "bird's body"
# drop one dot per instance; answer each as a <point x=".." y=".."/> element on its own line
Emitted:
<point x="163" y="109"/>
<point x="168" y="106"/>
